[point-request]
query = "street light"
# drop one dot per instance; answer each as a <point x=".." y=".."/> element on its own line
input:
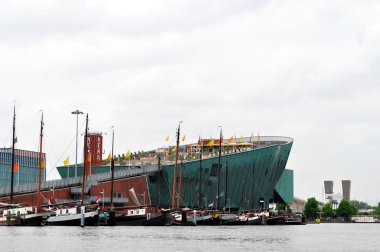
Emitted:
<point x="76" y="112"/>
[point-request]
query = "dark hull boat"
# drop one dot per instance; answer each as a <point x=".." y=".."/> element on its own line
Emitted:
<point x="22" y="216"/>
<point x="292" y="219"/>
<point x="274" y="220"/>
<point x="142" y="217"/>
<point x="154" y="219"/>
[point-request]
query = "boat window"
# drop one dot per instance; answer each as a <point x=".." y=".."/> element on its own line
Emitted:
<point x="137" y="211"/>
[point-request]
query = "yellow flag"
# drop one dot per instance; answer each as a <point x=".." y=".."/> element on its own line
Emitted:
<point x="109" y="157"/>
<point x="211" y="143"/>
<point x="240" y="139"/>
<point x="258" y="137"/>
<point x="167" y="138"/>
<point x="252" y="137"/>
<point x="128" y="154"/>
<point x="66" y="161"/>
<point x="231" y="139"/>
<point x="183" y="138"/>
<point x="174" y="149"/>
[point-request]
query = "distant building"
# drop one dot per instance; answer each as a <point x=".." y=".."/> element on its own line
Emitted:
<point x="346" y="187"/>
<point x="329" y="187"/>
<point x="336" y="198"/>
<point x="249" y="178"/>
<point x="27" y="172"/>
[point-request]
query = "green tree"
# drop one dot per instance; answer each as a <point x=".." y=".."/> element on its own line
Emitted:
<point x="311" y="208"/>
<point x="327" y="211"/>
<point x="280" y="206"/>
<point x="377" y="210"/>
<point x="346" y="210"/>
<point x="360" y="204"/>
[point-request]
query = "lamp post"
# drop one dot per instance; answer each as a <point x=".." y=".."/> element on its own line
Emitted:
<point x="76" y="112"/>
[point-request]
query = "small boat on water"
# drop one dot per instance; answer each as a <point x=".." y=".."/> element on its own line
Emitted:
<point x="72" y="216"/>
<point x="142" y="216"/>
<point x="202" y="217"/>
<point x="231" y="219"/>
<point x="293" y="219"/>
<point x="17" y="215"/>
<point x="185" y="217"/>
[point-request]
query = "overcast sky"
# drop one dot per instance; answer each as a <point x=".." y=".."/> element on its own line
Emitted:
<point x="303" y="69"/>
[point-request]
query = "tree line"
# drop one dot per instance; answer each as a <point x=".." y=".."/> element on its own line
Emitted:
<point x="314" y="209"/>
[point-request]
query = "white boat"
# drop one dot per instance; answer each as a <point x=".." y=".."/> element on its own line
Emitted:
<point x="72" y="217"/>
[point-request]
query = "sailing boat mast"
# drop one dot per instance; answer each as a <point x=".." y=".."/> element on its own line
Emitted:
<point x="13" y="152"/>
<point x="220" y="153"/>
<point x="200" y="174"/>
<point x="112" y="167"/>
<point x="226" y="185"/>
<point x="158" y="181"/>
<point x="175" y="165"/>
<point x="40" y="165"/>
<point x="180" y="184"/>
<point x="84" y="161"/>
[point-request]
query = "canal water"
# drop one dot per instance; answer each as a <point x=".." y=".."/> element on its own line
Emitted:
<point x="312" y="237"/>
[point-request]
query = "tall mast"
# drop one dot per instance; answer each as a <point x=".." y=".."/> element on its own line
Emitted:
<point x="40" y="165"/>
<point x="158" y="181"/>
<point x="200" y="175"/>
<point x="84" y="161"/>
<point x="180" y="184"/>
<point x="218" y="184"/>
<point x="112" y="168"/>
<point x="175" y="165"/>
<point x="226" y="184"/>
<point x="13" y="152"/>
